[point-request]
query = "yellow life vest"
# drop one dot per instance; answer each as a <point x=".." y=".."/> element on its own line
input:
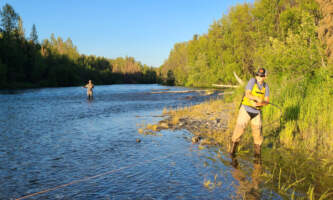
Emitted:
<point x="255" y="92"/>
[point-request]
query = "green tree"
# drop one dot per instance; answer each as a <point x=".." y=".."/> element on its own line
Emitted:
<point x="242" y="28"/>
<point x="9" y="19"/>
<point x="34" y="35"/>
<point x="299" y="53"/>
<point x="57" y="62"/>
<point x="177" y="62"/>
<point x="20" y="30"/>
<point x="170" y="78"/>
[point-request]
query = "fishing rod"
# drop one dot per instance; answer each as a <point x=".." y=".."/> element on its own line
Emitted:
<point x="272" y="104"/>
<point x="280" y="109"/>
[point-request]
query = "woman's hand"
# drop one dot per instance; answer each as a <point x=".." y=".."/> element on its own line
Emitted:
<point x="262" y="103"/>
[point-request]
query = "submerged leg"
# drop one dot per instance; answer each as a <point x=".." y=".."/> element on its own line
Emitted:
<point x="233" y="149"/>
<point x="257" y="150"/>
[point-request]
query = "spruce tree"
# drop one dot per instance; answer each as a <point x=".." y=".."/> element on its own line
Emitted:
<point x="20" y="30"/>
<point x="9" y="19"/>
<point x="33" y="34"/>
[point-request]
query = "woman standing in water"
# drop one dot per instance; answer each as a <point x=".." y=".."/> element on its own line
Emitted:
<point x="256" y="96"/>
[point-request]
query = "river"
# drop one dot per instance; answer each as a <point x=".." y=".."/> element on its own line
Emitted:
<point x="55" y="144"/>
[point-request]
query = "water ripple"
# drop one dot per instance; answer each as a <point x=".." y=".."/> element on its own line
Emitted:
<point x="54" y="136"/>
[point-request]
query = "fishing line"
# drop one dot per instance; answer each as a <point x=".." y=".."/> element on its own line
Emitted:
<point x="116" y="170"/>
<point x="280" y="109"/>
<point x="93" y="177"/>
<point x="274" y="121"/>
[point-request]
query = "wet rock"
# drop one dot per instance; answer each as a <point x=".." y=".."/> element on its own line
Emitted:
<point x="163" y="125"/>
<point x="214" y="121"/>
<point x="140" y="130"/>
<point x="207" y="141"/>
<point x="196" y="139"/>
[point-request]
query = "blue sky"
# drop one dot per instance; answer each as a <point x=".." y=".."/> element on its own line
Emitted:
<point x="143" y="29"/>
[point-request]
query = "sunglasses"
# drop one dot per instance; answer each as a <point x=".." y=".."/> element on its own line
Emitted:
<point x="261" y="75"/>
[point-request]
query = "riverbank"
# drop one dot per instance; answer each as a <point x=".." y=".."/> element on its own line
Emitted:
<point x="288" y="170"/>
<point x="209" y="122"/>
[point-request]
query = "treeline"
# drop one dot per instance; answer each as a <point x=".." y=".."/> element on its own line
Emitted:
<point x="293" y="39"/>
<point x="280" y="35"/>
<point x="25" y="62"/>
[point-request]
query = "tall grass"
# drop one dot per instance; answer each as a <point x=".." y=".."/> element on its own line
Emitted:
<point x="303" y="119"/>
<point x="299" y="133"/>
<point x="307" y="113"/>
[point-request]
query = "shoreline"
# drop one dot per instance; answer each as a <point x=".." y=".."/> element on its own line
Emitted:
<point x="211" y="124"/>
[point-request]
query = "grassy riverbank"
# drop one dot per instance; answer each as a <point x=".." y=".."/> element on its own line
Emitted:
<point x="291" y="40"/>
<point x="307" y="114"/>
<point x="301" y="121"/>
<point x="298" y="139"/>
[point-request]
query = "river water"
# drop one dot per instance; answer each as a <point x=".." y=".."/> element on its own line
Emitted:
<point x="55" y="144"/>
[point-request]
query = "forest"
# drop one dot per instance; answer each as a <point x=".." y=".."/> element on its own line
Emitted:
<point x="288" y="37"/>
<point x="25" y="62"/>
<point x="293" y="40"/>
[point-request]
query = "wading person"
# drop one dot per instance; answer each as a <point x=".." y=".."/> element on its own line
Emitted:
<point x="256" y="96"/>
<point x="89" y="87"/>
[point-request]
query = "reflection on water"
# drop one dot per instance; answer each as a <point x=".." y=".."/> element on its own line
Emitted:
<point x="247" y="189"/>
<point x="53" y="136"/>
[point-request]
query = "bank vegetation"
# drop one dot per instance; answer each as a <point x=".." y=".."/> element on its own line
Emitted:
<point x="293" y="41"/>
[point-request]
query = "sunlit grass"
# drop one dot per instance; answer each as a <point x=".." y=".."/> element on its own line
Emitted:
<point x="307" y="114"/>
<point x="326" y="195"/>
<point x="152" y="127"/>
<point x="304" y="121"/>
<point x="303" y="126"/>
<point x="148" y="129"/>
<point x="212" y="184"/>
